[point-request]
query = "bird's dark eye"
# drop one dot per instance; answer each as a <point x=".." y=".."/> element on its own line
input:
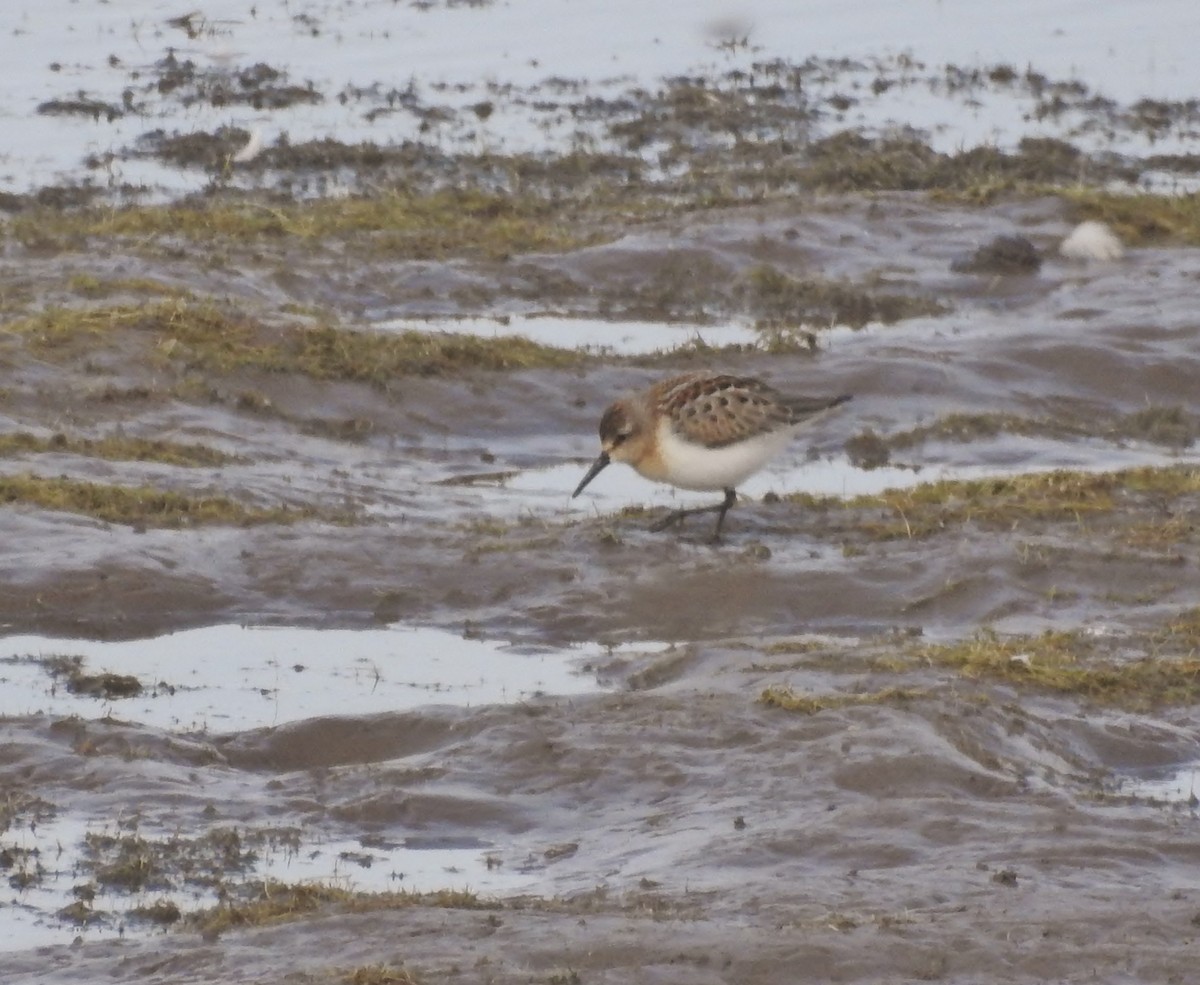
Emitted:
<point x="619" y="438"/>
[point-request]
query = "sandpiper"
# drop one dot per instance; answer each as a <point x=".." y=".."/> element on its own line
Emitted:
<point x="702" y="431"/>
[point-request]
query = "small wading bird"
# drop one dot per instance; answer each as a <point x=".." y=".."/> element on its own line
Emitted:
<point x="702" y="431"/>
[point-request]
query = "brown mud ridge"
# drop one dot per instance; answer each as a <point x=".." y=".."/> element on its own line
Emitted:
<point x="899" y="736"/>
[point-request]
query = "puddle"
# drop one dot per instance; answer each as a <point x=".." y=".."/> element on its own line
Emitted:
<point x="518" y="493"/>
<point x="548" y="490"/>
<point x="618" y="337"/>
<point x="1180" y="786"/>
<point x="233" y="678"/>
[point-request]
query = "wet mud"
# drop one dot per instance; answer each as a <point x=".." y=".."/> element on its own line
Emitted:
<point x="929" y="711"/>
<point x="885" y="814"/>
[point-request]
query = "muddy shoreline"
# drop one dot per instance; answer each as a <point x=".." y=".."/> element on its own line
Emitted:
<point x="800" y="779"/>
<point x="928" y="712"/>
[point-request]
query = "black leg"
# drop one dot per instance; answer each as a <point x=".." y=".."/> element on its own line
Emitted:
<point x="730" y="499"/>
<point x="678" y="516"/>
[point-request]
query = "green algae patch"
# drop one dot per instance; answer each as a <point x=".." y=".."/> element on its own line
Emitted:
<point x="1165" y="672"/>
<point x="965" y="428"/>
<point x="775" y="298"/>
<point x="1143" y="219"/>
<point x="19" y="806"/>
<point x="275" y="902"/>
<point x="216" y="337"/>
<point x="327" y="353"/>
<point x="1135" y="671"/>
<point x="68" y="331"/>
<point x="131" y="863"/>
<point x="1172" y="426"/>
<point x="1160" y="535"/>
<point x="116" y="448"/>
<point x="1061" y="495"/>
<point x="144" y="506"/>
<point x="105" y="685"/>
<point x="379" y="975"/>
<point x="255" y="903"/>
<point x="163" y="912"/>
<point x="1182" y="633"/>
<point x="90" y="286"/>
<point x="436" y="225"/>
<point x="850" y="162"/>
<point x="805" y="703"/>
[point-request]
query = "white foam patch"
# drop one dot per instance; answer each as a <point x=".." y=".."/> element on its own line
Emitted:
<point x="1092" y="241"/>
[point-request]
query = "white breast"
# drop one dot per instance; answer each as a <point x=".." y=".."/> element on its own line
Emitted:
<point x="690" y="466"/>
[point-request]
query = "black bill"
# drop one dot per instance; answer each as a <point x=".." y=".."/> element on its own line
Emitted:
<point x="598" y="466"/>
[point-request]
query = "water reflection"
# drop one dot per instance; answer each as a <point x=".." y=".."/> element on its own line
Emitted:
<point x="233" y="678"/>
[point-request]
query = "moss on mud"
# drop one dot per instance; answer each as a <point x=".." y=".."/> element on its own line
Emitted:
<point x="399" y="224"/>
<point x="145" y="506"/>
<point x="928" y="508"/>
<point x="1171" y="426"/>
<point x="1142" y="219"/>
<point x="379" y="974"/>
<point x="218" y="337"/>
<point x="274" y="902"/>
<point x="1160" y="669"/>
<point x="850" y="162"/>
<point x="1133" y="670"/>
<point x="115" y="447"/>
<point x="508" y="205"/>
<point x="774" y="298"/>
<point x="806" y="703"/>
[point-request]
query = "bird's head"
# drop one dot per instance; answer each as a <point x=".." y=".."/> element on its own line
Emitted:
<point x="625" y="436"/>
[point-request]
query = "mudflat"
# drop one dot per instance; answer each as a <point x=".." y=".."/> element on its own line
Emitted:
<point x="927" y="712"/>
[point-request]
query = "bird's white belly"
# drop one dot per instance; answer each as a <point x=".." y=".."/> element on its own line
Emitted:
<point x="691" y="466"/>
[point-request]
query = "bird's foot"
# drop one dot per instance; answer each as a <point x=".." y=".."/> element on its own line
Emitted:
<point x="675" y="517"/>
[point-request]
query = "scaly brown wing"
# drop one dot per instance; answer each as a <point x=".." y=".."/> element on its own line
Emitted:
<point x="718" y="410"/>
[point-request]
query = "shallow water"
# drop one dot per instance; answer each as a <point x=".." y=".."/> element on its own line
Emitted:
<point x="528" y="62"/>
<point x="234" y="679"/>
<point x="535" y="492"/>
<point x="601" y="335"/>
<point x="1178" y="786"/>
<point x="29" y="917"/>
